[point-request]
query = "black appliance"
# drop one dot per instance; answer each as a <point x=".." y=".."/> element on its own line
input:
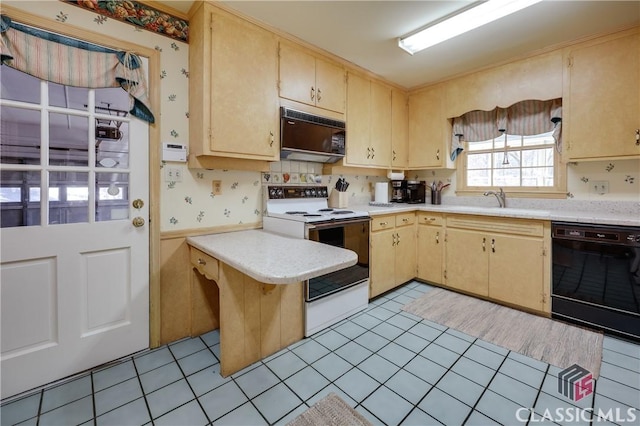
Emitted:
<point x="596" y="276"/>
<point x="398" y="191"/>
<point x="416" y="191"/>
<point x="308" y="137"/>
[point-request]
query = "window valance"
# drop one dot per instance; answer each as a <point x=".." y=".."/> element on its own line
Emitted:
<point x="525" y="118"/>
<point x="71" y="62"/>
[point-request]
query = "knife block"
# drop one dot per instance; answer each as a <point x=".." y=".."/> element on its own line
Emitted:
<point x="338" y="200"/>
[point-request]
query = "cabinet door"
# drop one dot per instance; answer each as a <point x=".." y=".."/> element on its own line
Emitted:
<point x="244" y="96"/>
<point x="467" y="262"/>
<point x="380" y="133"/>
<point x="516" y="268"/>
<point x="604" y="99"/>
<point x="430" y="253"/>
<point x="330" y="86"/>
<point x="358" y="119"/>
<point x="405" y="254"/>
<point x="297" y="75"/>
<point x="427" y="124"/>
<point x="382" y="273"/>
<point x="399" y="129"/>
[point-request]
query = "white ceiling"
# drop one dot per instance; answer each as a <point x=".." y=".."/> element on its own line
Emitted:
<point x="365" y="32"/>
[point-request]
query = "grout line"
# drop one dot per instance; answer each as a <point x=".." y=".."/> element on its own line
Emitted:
<point x="144" y="394"/>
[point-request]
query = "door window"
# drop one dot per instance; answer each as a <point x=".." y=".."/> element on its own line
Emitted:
<point x="64" y="153"/>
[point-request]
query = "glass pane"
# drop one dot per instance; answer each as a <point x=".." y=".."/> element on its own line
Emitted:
<point x="73" y="203"/>
<point x="542" y="139"/>
<point x="68" y="96"/>
<point x="112" y="149"/>
<point x="479" y="161"/>
<point x="479" y="178"/>
<point x="19" y="86"/>
<point x="506" y="177"/>
<point x="480" y="146"/>
<point x="537" y="176"/>
<point x="537" y="157"/>
<point x="112" y="196"/>
<point x="34" y="194"/>
<point x="17" y="207"/>
<point x="513" y="158"/>
<point x="113" y="101"/>
<point x="68" y="144"/>
<point x="20" y="135"/>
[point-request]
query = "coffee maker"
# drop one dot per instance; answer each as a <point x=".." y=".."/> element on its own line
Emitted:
<point x="398" y="191"/>
<point x="416" y="191"/>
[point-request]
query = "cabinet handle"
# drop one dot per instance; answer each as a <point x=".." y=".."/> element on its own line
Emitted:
<point x="394" y="155"/>
<point x="493" y="245"/>
<point x="368" y="153"/>
<point x="437" y="238"/>
<point x="383" y="223"/>
<point x="397" y="239"/>
<point x="373" y="153"/>
<point x="438" y="155"/>
<point x="637" y="137"/>
<point x="202" y="261"/>
<point x="405" y="220"/>
<point x="394" y="240"/>
<point x="319" y="95"/>
<point x="271" y="138"/>
<point x="484" y="244"/>
<point x="313" y="93"/>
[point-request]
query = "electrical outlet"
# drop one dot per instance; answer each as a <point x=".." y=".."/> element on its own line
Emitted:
<point x="599" y="186"/>
<point x="172" y="174"/>
<point x="216" y="187"/>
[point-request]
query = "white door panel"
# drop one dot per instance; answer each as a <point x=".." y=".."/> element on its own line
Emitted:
<point x="74" y="295"/>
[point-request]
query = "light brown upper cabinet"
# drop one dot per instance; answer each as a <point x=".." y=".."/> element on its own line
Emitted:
<point x="368" y="123"/>
<point x="399" y="129"/>
<point x="602" y="103"/>
<point x="233" y="94"/>
<point x="310" y="80"/>
<point x="429" y="130"/>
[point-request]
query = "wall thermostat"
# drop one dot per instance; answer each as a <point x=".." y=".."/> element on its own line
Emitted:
<point x="174" y="152"/>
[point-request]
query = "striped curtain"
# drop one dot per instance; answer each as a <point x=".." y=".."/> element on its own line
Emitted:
<point x="525" y="118"/>
<point x="70" y="62"/>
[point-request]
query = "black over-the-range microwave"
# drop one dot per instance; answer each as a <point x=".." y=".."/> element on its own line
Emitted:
<point x="308" y="137"/>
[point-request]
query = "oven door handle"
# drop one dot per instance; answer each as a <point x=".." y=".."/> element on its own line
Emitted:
<point x="339" y="223"/>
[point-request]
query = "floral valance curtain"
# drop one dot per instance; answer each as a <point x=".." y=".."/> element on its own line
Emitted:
<point x="526" y="118"/>
<point x="71" y="62"/>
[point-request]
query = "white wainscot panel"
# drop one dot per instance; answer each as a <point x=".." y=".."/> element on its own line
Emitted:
<point x="29" y="295"/>
<point x="107" y="286"/>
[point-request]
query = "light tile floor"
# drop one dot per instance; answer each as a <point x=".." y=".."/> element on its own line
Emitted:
<point x="393" y="367"/>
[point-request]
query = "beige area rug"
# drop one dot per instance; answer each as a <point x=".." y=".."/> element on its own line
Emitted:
<point x="544" y="339"/>
<point x="330" y="411"/>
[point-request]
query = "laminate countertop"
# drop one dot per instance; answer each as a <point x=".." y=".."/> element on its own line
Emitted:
<point x="576" y="216"/>
<point x="272" y="258"/>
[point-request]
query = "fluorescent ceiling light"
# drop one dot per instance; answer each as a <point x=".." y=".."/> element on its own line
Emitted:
<point x="468" y="20"/>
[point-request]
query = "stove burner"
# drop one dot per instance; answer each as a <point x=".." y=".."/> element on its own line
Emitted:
<point x="342" y="212"/>
<point x="296" y="212"/>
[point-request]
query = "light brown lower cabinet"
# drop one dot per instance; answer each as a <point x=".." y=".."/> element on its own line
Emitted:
<point x="256" y="319"/>
<point x="393" y="251"/>
<point x="506" y="260"/>
<point x="430" y="256"/>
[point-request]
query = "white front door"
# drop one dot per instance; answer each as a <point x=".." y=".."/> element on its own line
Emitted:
<point x="74" y="269"/>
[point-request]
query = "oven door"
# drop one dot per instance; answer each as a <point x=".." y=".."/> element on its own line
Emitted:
<point x="351" y="234"/>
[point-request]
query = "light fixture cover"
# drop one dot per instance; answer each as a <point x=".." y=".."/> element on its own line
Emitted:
<point x="461" y="23"/>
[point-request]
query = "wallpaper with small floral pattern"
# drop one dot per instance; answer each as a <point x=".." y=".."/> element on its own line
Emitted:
<point x="188" y="202"/>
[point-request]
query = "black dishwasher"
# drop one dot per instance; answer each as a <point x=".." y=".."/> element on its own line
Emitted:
<point x="596" y="276"/>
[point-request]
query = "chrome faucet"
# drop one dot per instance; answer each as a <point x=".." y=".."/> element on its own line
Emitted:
<point x="501" y="196"/>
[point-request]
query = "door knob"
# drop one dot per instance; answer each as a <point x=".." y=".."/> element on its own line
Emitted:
<point x="137" y="203"/>
<point x="138" y="222"/>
